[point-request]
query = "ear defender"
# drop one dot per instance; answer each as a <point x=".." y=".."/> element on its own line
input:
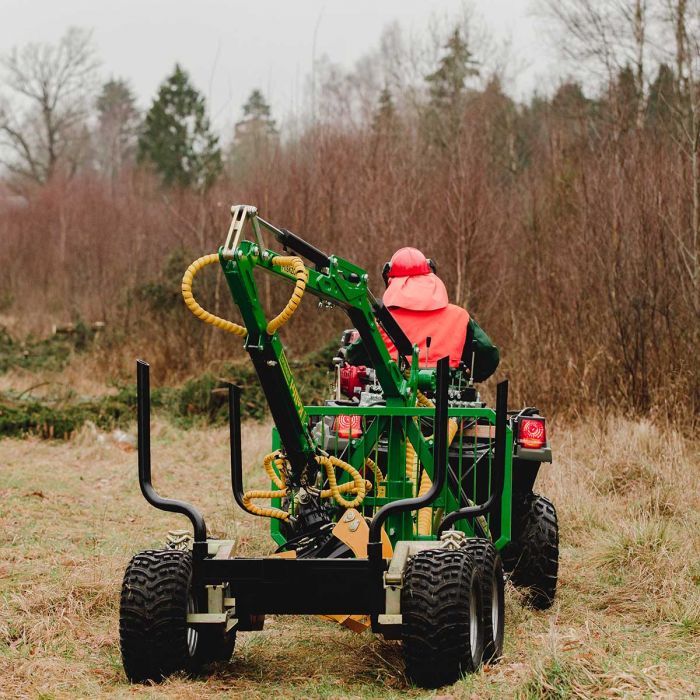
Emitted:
<point x="387" y="269"/>
<point x="385" y="273"/>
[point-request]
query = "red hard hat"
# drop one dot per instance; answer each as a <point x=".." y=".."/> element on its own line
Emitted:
<point x="408" y="262"/>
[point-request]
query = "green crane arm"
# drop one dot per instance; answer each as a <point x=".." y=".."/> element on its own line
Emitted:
<point x="339" y="282"/>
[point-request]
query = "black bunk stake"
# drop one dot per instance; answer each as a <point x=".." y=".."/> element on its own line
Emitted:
<point x="143" y="401"/>
<point x="439" y="465"/>
<point x="499" y="462"/>
<point x="234" y="425"/>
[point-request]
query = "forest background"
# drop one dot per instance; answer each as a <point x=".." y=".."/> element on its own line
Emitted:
<point x="566" y="223"/>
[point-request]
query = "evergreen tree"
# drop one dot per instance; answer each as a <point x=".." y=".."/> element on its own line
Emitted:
<point x="177" y="137"/>
<point x="117" y="128"/>
<point x="255" y="136"/>
<point x="569" y="102"/>
<point x="384" y="120"/>
<point x="257" y="109"/>
<point x="447" y="89"/>
<point x="623" y="100"/>
<point x="662" y="97"/>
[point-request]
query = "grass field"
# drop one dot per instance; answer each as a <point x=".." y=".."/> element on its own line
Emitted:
<point x="626" y="622"/>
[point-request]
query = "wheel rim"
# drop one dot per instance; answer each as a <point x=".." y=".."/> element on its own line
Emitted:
<point x="495" y="607"/>
<point x="192" y="634"/>
<point x="474" y="623"/>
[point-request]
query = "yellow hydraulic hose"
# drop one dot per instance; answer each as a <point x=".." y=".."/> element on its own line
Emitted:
<point x="302" y="275"/>
<point x="196" y="309"/>
<point x="411" y="460"/>
<point x="300" y="272"/>
<point x="358" y="485"/>
<point x="378" y="476"/>
<point x="263" y="511"/>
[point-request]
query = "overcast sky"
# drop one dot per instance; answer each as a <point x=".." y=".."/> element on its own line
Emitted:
<point x="230" y="47"/>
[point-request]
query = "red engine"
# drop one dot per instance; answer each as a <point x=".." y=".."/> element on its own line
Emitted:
<point x="352" y="379"/>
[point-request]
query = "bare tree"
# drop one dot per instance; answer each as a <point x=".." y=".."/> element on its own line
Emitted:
<point x="683" y="21"/>
<point x="43" y="125"/>
<point x="606" y="37"/>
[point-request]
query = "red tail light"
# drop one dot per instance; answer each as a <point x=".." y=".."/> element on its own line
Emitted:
<point x="532" y="433"/>
<point x="348" y="426"/>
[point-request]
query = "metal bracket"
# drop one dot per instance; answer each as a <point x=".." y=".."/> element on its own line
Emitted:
<point x="226" y="619"/>
<point x="239" y="213"/>
<point x="221" y="610"/>
<point x="393" y="576"/>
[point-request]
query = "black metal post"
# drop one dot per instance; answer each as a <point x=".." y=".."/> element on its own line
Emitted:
<point x="499" y="463"/>
<point x="439" y="465"/>
<point x="234" y="423"/>
<point x="143" y="398"/>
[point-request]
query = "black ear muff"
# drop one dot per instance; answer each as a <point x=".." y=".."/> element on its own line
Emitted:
<point x="385" y="273"/>
<point x="432" y="265"/>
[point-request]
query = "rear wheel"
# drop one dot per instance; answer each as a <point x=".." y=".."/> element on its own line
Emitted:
<point x="488" y="563"/>
<point x="442" y="626"/>
<point x="533" y="555"/>
<point x="155" y="638"/>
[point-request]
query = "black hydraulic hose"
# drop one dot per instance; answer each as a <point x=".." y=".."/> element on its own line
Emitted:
<point x="143" y="398"/>
<point x="439" y="463"/>
<point x="499" y="462"/>
<point x="234" y="422"/>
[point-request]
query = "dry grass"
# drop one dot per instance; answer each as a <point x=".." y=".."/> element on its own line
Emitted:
<point x="626" y="623"/>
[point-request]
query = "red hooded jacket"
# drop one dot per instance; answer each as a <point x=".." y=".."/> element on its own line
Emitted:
<point x="418" y="301"/>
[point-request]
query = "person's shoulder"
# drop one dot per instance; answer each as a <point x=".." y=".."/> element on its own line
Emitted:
<point x="457" y="311"/>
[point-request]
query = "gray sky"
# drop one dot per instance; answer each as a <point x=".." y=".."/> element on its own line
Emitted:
<point x="230" y="47"/>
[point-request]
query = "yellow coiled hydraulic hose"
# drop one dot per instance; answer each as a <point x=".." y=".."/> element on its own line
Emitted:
<point x="358" y="485"/>
<point x="298" y="268"/>
<point x="302" y="275"/>
<point x="195" y="308"/>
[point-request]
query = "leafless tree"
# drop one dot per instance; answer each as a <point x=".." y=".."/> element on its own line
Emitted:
<point x="682" y="22"/>
<point x="606" y="37"/>
<point x="42" y="123"/>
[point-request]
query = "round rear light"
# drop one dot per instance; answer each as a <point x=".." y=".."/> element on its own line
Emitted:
<point x="532" y="433"/>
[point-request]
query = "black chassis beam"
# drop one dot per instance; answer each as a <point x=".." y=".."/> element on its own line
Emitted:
<point x="275" y="585"/>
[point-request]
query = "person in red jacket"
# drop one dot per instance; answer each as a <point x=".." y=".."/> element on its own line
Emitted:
<point x="418" y="300"/>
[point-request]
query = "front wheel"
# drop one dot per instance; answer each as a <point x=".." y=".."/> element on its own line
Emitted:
<point x="155" y="639"/>
<point x="441" y="606"/>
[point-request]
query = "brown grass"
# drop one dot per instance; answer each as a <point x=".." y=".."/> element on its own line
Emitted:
<point x="626" y="622"/>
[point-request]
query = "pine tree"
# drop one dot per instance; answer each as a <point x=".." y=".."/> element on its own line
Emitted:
<point x="177" y="137"/>
<point x="255" y="136"/>
<point x="662" y="97"/>
<point x="384" y="120"/>
<point x="447" y="89"/>
<point x="256" y="108"/>
<point x="623" y="99"/>
<point x="117" y="128"/>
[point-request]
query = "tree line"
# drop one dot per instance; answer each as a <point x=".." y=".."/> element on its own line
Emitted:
<point x="567" y="223"/>
<point x="56" y="120"/>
